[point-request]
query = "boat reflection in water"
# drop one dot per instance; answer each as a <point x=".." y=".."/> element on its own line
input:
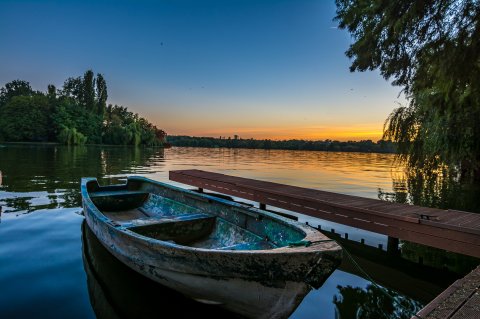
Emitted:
<point x="116" y="291"/>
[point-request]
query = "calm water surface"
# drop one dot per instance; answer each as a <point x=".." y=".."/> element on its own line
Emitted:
<point x="50" y="266"/>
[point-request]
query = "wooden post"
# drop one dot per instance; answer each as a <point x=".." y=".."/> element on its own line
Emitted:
<point x="392" y="246"/>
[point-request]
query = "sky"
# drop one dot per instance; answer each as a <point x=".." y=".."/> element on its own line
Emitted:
<point x="257" y="69"/>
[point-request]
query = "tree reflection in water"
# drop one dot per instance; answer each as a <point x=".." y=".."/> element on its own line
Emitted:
<point x="47" y="176"/>
<point x="372" y="302"/>
<point x="433" y="188"/>
<point x="440" y="188"/>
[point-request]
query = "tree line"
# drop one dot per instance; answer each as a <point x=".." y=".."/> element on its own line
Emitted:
<point x="366" y="146"/>
<point x="75" y="114"/>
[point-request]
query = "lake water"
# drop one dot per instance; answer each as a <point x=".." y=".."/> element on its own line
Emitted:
<point x="50" y="266"/>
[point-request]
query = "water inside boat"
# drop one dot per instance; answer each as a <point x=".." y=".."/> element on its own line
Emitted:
<point x="192" y="222"/>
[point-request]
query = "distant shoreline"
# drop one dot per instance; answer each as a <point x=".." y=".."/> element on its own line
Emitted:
<point x="366" y="146"/>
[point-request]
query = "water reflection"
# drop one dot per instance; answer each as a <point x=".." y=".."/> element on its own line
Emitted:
<point x="372" y="302"/>
<point x="48" y="176"/>
<point x="438" y="189"/>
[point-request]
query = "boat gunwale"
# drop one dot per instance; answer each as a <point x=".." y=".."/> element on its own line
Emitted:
<point x="315" y="237"/>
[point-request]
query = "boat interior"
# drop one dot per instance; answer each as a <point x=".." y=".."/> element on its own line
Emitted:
<point x="190" y="220"/>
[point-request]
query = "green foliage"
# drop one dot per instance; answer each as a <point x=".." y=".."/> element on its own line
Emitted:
<point x="102" y="95"/>
<point x="25" y="118"/>
<point x="51" y="91"/>
<point x="127" y="128"/>
<point x="71" y="115"/>
<point x="432" y="50"/>
<point x="88" y="91"/>
<point x="14" y="88"/>
<point x="70" y="136"/>
<point x="147" y="133"/>
<point x="72" y="89"/>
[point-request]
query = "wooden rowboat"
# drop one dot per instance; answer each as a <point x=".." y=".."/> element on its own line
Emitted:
<point x="216" y="251"/>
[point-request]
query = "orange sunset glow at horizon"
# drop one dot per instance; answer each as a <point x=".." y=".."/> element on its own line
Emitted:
<point x="346" y="133"/>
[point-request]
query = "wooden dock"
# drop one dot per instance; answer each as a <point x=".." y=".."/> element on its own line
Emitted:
<point x="459" y="301"/>
<point x="451" y="230"/>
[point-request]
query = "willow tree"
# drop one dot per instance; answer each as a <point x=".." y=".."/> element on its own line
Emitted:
<point x="432" y="50"/>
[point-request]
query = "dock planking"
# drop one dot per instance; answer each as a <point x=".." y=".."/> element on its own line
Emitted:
<point x="451" y="230"/>
<point x="459" y="301"/>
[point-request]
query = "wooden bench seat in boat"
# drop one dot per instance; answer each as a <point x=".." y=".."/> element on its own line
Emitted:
<point x="115" y="200"/>
<point x="182" y="229"/>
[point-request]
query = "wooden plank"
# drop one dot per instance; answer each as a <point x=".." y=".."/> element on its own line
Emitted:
<point x="446" y="216"/>
<point x="392" y="219"/>
<point x="460" y="218"/>
<point x="459" y="301"/>
<point x="470" y="310"/>
<point x="471" y="223"/>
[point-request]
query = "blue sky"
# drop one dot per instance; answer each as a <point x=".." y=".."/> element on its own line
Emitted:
<point x="262" y="69"/>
